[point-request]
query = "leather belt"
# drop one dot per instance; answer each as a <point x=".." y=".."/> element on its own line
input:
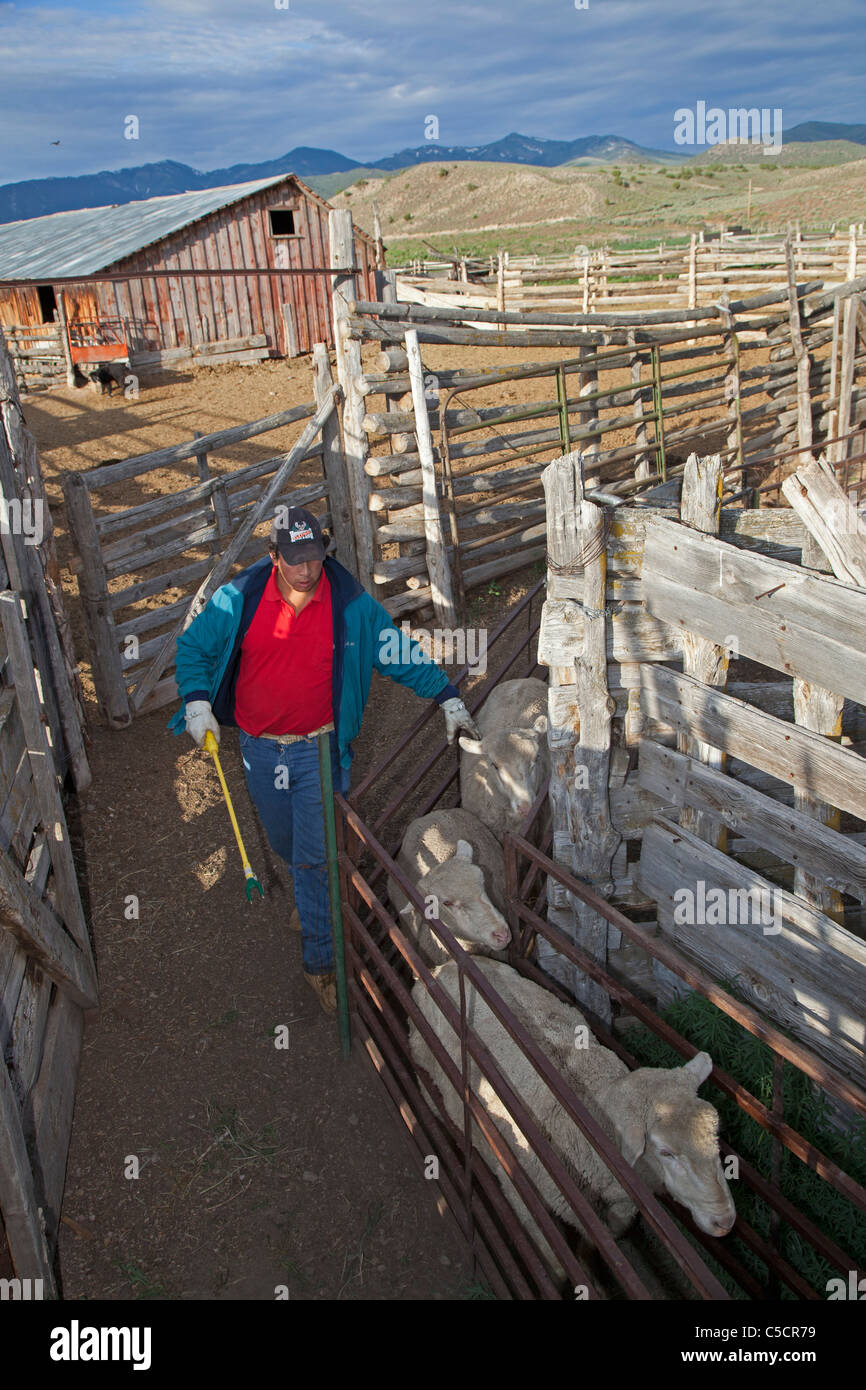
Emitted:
<point x="297" y="738"/>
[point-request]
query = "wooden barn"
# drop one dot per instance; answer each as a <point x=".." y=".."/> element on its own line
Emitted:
<point x="272" y="224"/>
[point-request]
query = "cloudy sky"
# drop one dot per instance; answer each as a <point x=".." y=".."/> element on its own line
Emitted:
<point x="215" y="82"/>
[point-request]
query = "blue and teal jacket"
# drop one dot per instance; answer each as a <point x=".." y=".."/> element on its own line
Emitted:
<point x="209" y="651"/>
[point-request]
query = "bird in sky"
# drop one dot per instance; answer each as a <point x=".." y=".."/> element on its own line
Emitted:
<point x="55" y="142"/>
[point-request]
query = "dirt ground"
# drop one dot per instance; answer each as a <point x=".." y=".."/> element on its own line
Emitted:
<point x="258" y="1167"/>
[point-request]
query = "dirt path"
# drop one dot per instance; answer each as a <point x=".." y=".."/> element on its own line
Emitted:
<point x="258" y="1167"/>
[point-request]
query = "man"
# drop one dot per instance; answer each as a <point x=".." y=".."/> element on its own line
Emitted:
<point x="285" y="651"/>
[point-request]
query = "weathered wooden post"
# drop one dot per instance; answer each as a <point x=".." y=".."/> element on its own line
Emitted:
<point x="108" y="677"/>
<point x="500" y="283"/>
<point x="437" y="559"/>
<point x="700" y="508"/>
<point x="377" y="236"/>
<point x="846" y="379"/>
<point x="573" y="643"/>
<point x="851" y="271"/>
<point x="334" y="466"/>
<point x="63" y="331"/>
<point x="801" y="356"/>
<point x="642" y="463"/>
<point x="693" y="278"/>
<point x="830" y="545"/>
<point x="734" y="438"/>
<point x="355" y="447"/>
<point x="589" y="414"/>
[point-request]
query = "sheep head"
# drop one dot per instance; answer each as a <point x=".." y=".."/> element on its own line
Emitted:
<point x="512" y="762"/>
<point x="464" y="908"/>
<point x="660" y="1121"/>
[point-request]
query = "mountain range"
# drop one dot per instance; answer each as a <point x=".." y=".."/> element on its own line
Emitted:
<point x="324" y="168"/>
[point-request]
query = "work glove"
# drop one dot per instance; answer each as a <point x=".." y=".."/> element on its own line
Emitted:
<point x="200" y="718"/>
<point x="457" y="717"/>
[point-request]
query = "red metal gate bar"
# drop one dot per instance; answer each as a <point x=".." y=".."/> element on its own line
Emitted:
<point x="800" y="1147"/>
<point x="795" y="1218"/>
<point x="395" y="752"/>
<point x="769" y="1191"/>
<point x="760" y="1247"/>
<point x="705" y="1283"/>
<point x="500" y="1146"/>
<point x="820" y="1071"/>
<point x="408" y="787"/>
<point x="766" y="1188"/>
<point x="494" y="1192"/>
<point x="401" y="1086"/>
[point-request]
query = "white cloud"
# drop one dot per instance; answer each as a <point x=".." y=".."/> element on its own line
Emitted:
<point x="221" y="81"/>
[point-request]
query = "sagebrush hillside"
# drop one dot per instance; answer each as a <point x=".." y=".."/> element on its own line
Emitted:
<point x="481" y="208"/>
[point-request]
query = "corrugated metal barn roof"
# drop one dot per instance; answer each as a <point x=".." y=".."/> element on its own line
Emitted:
<point x="89" y="239"/>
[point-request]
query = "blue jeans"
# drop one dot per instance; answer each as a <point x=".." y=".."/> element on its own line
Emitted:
<point x="284" y="784"/>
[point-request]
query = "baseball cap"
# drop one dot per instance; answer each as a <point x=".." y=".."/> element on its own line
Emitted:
<point x="298" y="537"/>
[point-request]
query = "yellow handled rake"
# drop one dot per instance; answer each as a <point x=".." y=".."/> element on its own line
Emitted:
<point x="210" y="746"/>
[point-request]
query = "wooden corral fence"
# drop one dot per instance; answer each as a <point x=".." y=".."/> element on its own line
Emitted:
<point x="40" y="356"/>
<point x="558" y="919"/>
<point x="440" y="491"/>
<point x="689" y="275"/>
<point x="684" y="796"/>
<point x="47" y="974"/>
<point x="145" y="570"/>
<point x="671" y="379"/>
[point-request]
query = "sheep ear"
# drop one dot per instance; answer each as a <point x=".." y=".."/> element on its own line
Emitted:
<point x="631" y="1137"/>
<point x="699" y="1067"/>
<point x="625" y="1104"/>
<point x="469" y="745"/>
<point x="540" y="724"/>
<point x="463" y="850"/>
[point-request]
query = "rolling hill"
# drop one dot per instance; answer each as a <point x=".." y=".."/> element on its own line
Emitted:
<point x="328" y="171"/>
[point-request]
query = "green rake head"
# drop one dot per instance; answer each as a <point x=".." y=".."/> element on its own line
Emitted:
<point x="253" y="883"/>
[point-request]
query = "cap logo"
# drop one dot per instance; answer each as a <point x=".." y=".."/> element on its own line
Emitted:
<point x="301" y="533"/>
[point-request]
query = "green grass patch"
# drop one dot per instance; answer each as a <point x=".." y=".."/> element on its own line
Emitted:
<point x="142" y="1284"/>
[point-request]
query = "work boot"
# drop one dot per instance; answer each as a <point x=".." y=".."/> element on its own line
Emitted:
<point x="294" y="920"/>
<point x="325" y="987"/>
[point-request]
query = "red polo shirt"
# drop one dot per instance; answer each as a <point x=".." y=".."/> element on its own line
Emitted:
<point x="284" y="682"/>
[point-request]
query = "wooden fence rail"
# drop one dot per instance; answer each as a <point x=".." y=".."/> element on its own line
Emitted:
<point x="671" y="379"/>
<point x="47" y="973"/>
<point x="188" y="540"/>
<point x="734" y="874"/>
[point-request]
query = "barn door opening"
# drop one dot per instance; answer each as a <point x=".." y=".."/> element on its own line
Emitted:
<point x="47" y="303"/>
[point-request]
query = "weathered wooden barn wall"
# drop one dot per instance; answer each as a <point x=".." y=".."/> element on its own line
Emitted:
<point x="19" y="308"/>
<point x="164" y="313"/>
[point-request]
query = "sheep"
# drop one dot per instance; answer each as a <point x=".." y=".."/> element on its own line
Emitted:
<point x="450" y="856"/>
<point x="500" y="774"/>
<point x="653" y="1114"/>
